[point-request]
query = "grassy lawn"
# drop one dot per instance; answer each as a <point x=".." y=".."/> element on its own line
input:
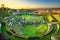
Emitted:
<point x="46" y="37"/>
<point x="16" y="16"/>
<point x="30" y="18"/>
<point x="30" y="30"/>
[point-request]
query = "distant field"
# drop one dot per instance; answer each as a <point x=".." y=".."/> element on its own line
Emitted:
<point x="30" y="18"/>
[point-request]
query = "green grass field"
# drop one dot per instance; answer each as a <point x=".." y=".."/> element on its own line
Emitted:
<point x="30" y="30"/>
<point x="46" y="37"/>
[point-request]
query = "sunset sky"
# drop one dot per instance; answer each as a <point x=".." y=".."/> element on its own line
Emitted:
<point x="18" y="4"/>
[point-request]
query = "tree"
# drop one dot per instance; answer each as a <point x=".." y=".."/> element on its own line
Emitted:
<point x="4" y="13"/>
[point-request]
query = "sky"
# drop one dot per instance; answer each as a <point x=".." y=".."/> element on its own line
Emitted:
<point x="28" y="4"/>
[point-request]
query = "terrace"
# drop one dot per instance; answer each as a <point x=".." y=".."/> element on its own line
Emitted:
<point x="28" y="25"/>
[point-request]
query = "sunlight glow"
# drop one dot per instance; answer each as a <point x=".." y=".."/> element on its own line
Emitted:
<point x="18" y="4"/>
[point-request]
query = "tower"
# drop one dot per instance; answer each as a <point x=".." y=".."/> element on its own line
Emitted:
<point x="2" y="5"/>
